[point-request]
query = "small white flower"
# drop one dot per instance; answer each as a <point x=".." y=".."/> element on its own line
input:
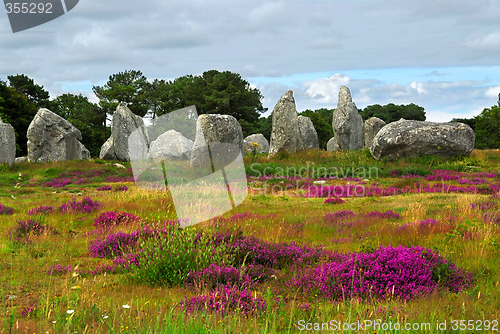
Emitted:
<point x="70" y="311"/>
<point x="126" y="306"/>
<point x="105" y="316"/>
<point x="54" y="321"/>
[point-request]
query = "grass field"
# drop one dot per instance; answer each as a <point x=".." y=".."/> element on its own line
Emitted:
<point x="324" y="241"/>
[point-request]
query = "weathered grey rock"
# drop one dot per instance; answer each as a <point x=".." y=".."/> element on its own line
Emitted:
<point x="308" y="137"/>
<point x="21" y="160"/>
<point x="222" y="135"/>
<point x="7" y="144"/>
<point x="372" y="127"/>
<point x="332" y="145"/>
<point x="123" y="124"/>
<point x="52" y="138"/>
<point x="406" y="138"/>
<point x="285" y="132"/>
<point x="259" y="139"/>
<point x="171" y="145"/>
<point x="347" y="123"/>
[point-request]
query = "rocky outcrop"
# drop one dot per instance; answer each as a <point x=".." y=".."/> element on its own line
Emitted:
<point x="219" y="139"/>
<point x="171" y="145"/>
<point x="7" y="144"/>
<point x="406" y="138"/>
<point x="372" y="127"/>
<point x="347" y="123"/>
<point x="332" y="145"/>
<point x="123" y="124"/>
<point x="285" y="131"/>
<point x="308" y="137"/>
<point x="52" y="138"/>
<point x="256" y="143"/>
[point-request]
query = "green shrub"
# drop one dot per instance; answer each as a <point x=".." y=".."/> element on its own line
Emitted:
<point x="167" y="259"/>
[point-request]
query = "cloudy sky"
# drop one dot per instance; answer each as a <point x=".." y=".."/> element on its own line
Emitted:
<point x="441" y="54"/>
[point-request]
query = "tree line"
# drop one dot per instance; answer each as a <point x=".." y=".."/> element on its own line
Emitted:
<point x="213" y="92"/>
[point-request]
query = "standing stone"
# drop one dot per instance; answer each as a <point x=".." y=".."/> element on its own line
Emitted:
<point x="260" y="140"/>
<point x="285" y="132"/>
<point x="308" y="137"/>
<point x="372" y="127"/>
<point x="222" y="135"/>
<point x="171" y="145"/>
<point x="123" y="124"/>
<point x="332" y="145"/>
<point x="7" y="144"/>
<point x="52" y="138"/>
<point x="406" y="138"/>
<point x="347" y="123"/>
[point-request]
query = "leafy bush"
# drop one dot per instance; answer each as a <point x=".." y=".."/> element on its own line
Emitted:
<point x="167" y="259"/>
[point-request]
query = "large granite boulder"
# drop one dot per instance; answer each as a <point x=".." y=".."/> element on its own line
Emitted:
<point x="7" y="144"/>
<point x="308" y="137"/>
<point x="218" y="137"/>
<point x="372" y="127"/>
<point x="171" y="145"/>
<point x="250" y="144"/>
<point x="406" y="138"/>
<point x="123" y="124"/>
<point x="332" y="145"/>
<point x="347" y="123"/>
<point x="285" y="131"/>
<point x="52" y="138"/>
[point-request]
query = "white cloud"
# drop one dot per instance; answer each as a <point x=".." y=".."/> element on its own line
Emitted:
<point x="419" y="87"/>
<point x="493" y="92"/>
<point x="326" y="90"/>
<point x="489" y="41"/>
<point x="441" y="116"/>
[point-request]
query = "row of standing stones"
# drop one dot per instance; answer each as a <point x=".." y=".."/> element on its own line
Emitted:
<point x="52" y="138"/>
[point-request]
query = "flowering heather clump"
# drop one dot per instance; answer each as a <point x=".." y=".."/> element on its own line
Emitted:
<point x="58" y="269"/>
<point x="427" y="223"/>
<point x="58" y="183"/>
<point x="483" y="206"/>
<point x="273" y="255"/>
<point x="127" y="260"/>
<point x="492" y="217"/>
<point x="103" y="268"/>
<point x="5" y="210"/>
<point x="386" y="215"/>
<point x="41" y="210"/>
<point x="332" y="217"/>
<point x="119" y="179"/>
<point x="29" y="310"/>
<point x="87" y="205"/>
<point x="104" y="188"/>
<point x="215" y="275"/>
<point x="334" y="200"/>
<point x="398" y="272"/>
<point x="113" y="245"/>
<point x="394" y="173"/>
<point x="259" y="273"/>
<point x="121" y="188"/>
<point x="27" y="228"/>
<point x="305" y="307"/>
<point x="224" y="300"/>
<point x="113" y="218"/>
